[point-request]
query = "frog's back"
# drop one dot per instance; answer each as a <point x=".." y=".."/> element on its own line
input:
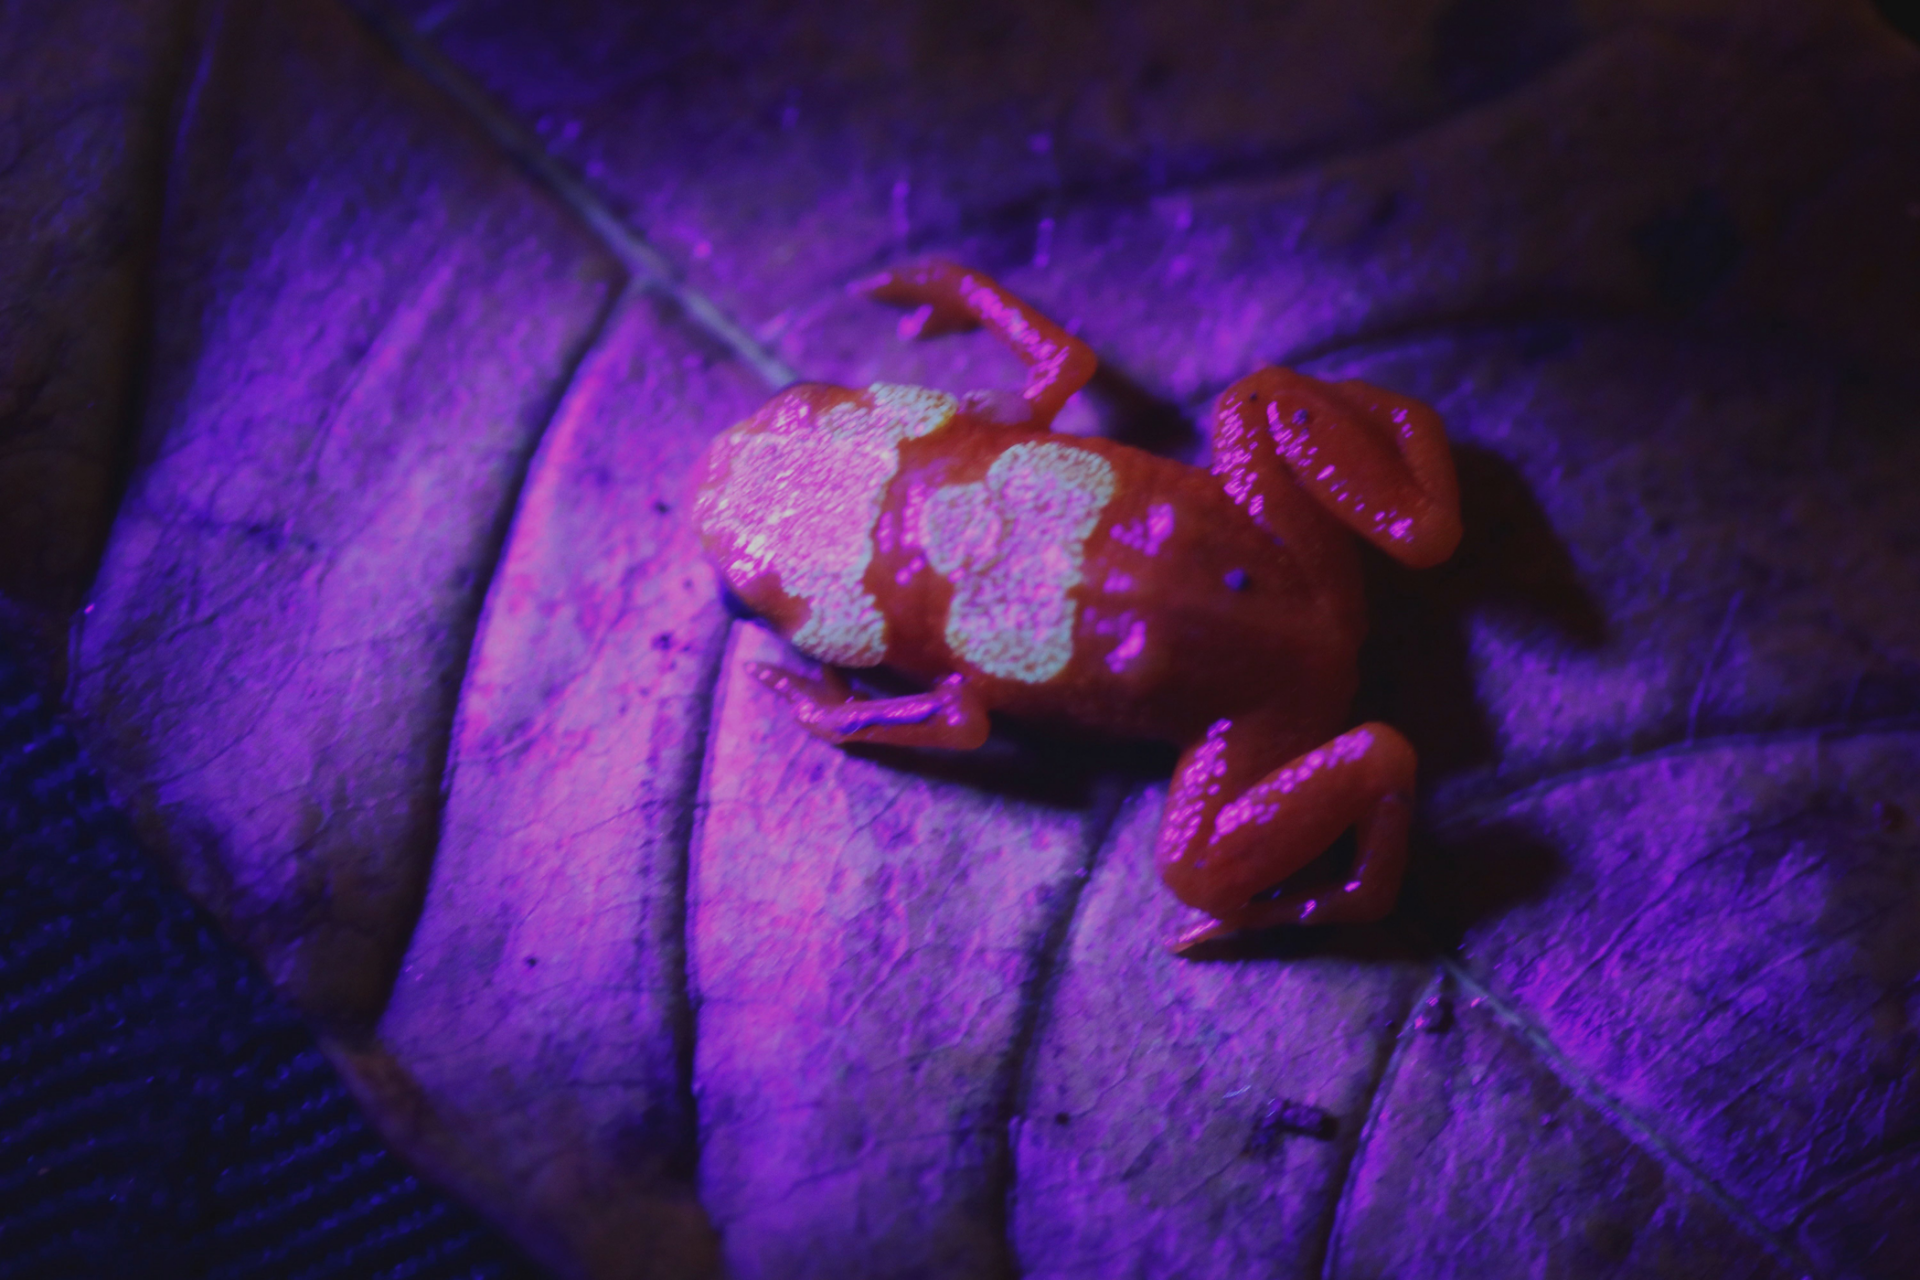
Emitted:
<point x="1085" y="582"/>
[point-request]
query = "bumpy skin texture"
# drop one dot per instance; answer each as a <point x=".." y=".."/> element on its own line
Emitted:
<point x="1086" y="583"/>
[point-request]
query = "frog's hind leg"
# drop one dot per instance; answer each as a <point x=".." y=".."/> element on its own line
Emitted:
<point x="949" y="715"/>
<point x="1376" y="460"/>
<point x="1230" y="834"/>
<point x="948" y="298"/>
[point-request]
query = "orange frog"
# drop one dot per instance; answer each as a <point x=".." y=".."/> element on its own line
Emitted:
<point x="1078" y="581"/>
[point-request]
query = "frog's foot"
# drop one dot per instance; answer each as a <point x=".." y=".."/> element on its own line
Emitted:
<point x="944" y="297"/>
<point x="1376" y="460"/>
<point x="949" y="715"/>
<point x="1222" y="846"/>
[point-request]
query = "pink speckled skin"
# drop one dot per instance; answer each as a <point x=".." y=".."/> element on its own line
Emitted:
<point x="1219" y="610"/>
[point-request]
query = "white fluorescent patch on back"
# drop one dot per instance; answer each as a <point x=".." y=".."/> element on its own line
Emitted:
<point x="800" y="499"/>
<point x="1012" y="545"/>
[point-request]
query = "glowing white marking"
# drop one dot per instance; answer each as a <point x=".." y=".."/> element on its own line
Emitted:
<point x="799" y="498"/>
<point x="911" y="412"/>
<point x="1012" y="545"/>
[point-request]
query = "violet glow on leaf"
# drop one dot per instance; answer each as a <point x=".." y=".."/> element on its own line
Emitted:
<point x="560" y="879"/>
<point x="283" y="611"/>
<point x="691" y="991"/>
<point x="838" y="905"/>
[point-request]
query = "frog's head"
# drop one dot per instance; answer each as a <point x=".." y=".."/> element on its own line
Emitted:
<point x="740" y="500"/>
<point x="787" y="503"/>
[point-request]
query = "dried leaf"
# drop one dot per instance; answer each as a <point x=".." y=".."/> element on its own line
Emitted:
<point x="691" y="993"/>
<point x="362" y="323"/>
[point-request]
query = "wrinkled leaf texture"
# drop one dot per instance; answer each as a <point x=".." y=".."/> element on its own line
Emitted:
<point x="355" y="359"/>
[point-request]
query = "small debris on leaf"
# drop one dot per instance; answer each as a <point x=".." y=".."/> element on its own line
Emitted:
<point x="1435" y="1016"/>
<point x="1284" y="1116"/>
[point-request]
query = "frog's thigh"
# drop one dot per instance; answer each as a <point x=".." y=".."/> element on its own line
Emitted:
<point x="1219" y="849"/>
<point x="1376" y="461"/>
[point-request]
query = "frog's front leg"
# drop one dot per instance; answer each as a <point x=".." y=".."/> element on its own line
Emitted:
<point x="950" y="715"/>
<point x="948" y="298"/>
<point x="1233" y="831"/>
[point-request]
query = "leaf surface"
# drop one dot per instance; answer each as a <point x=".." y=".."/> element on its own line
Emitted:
<point x="686" y="992"/>
<point x="361" y="324"/>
